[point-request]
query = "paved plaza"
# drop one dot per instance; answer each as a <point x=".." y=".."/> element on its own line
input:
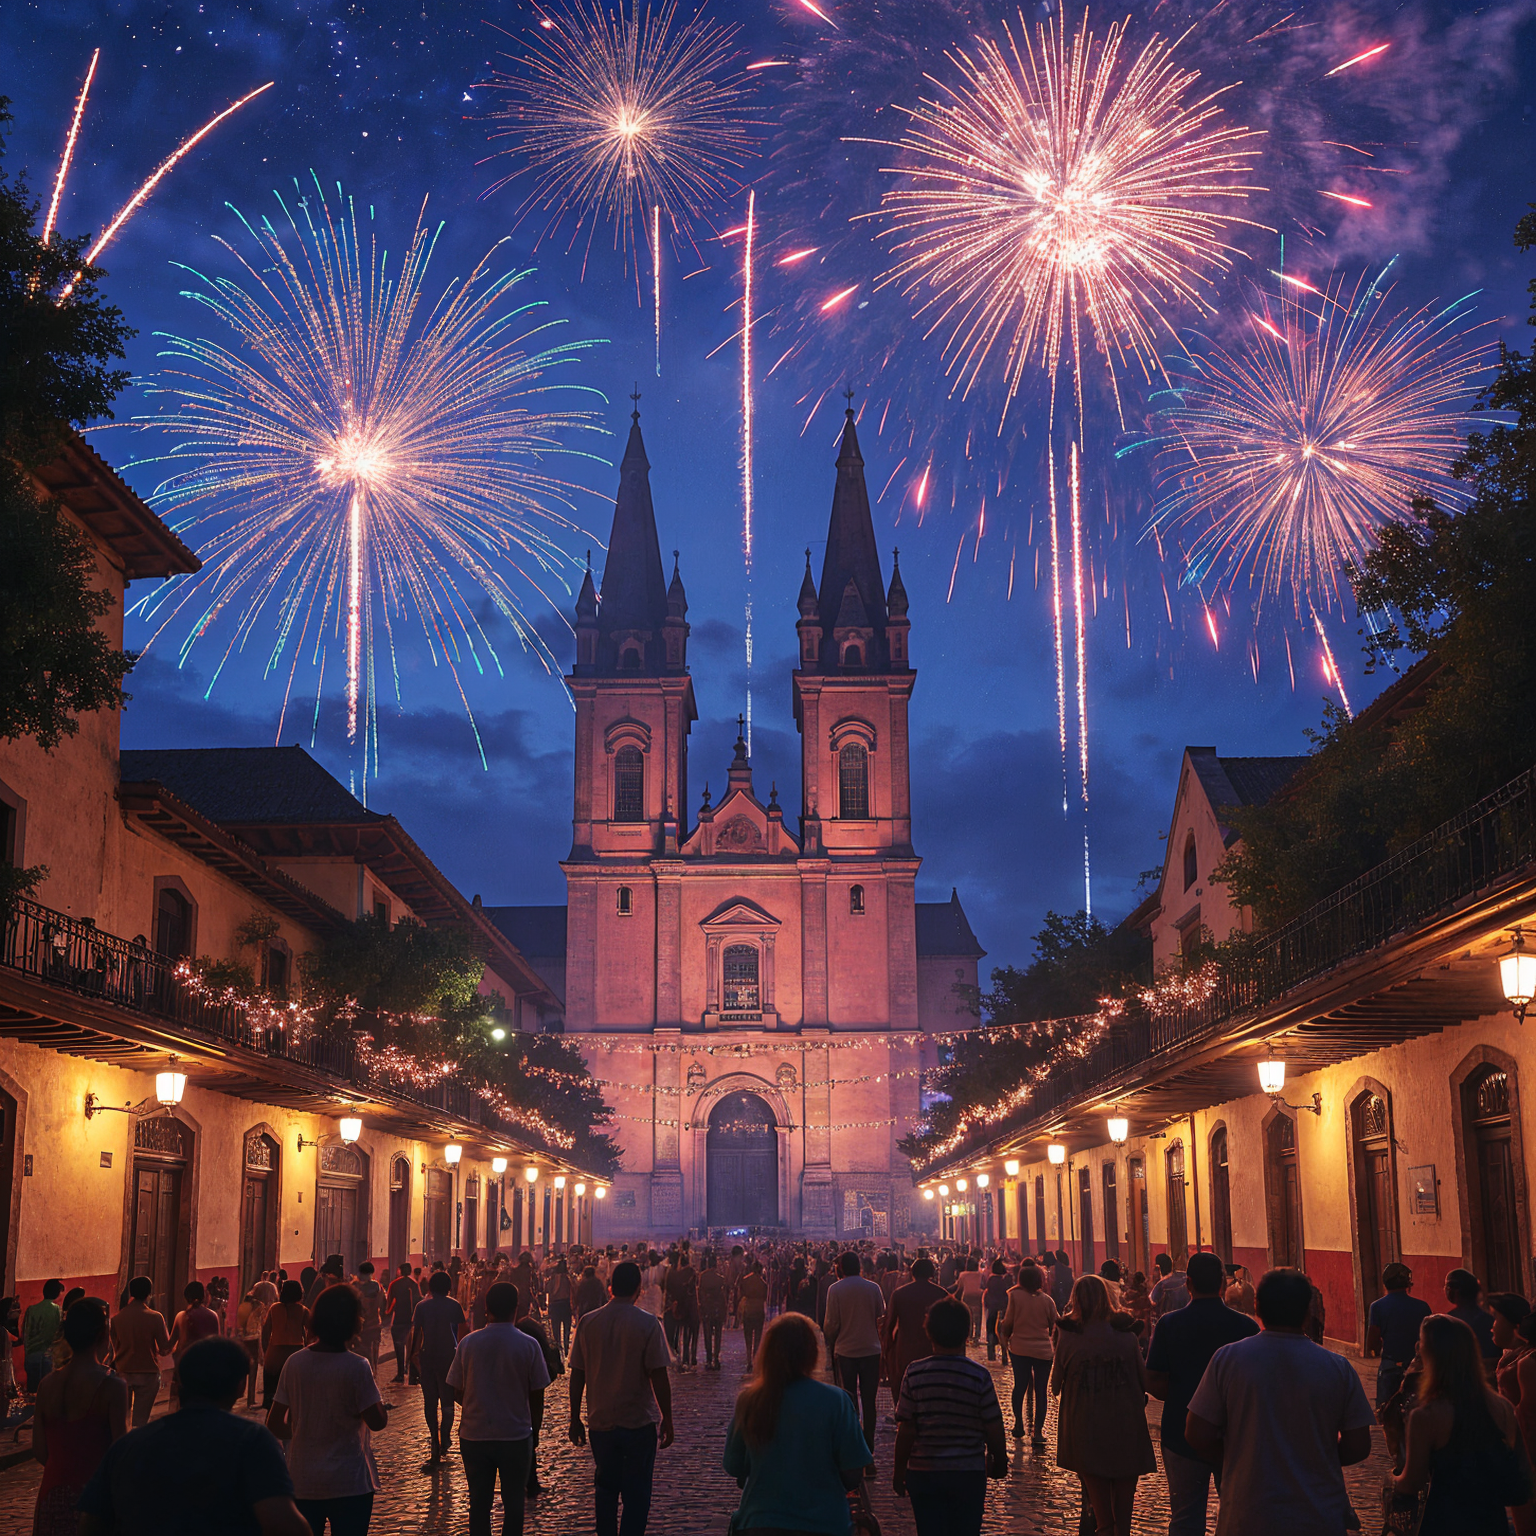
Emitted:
<point x="692" y="1494"/>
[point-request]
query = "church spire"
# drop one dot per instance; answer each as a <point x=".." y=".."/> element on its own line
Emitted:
<point x="634" y="593"/>
<point x="852" y="558"/>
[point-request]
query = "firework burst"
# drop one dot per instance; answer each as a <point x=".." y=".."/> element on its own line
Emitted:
<point x="614" y="116"/>
<point x="357" y="454"/>
<point x="1059" y="182"/>
<point x="1281" y="459"/>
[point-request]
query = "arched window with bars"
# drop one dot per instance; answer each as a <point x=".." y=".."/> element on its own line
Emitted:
<point x="853" y="782"/>
<point x="629" y="784"/>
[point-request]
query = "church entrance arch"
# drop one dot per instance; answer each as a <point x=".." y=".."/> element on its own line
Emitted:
<point x="741" y="1156"/>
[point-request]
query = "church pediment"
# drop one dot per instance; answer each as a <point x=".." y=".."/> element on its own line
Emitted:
<point x="739" y="915"/>
<point x="740" y="827"/>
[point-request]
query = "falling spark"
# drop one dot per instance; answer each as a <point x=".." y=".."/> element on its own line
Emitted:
<point x="837" y="298"/>
<point x="1341" y="197"/>
<point x="1210" y="624"/>
<point x="794" y="256"/>
<point x="1331" y="667"/>
<point x="1359" y="58"/>
<point x="1264" y="324"/>
<point x="1295" y="282"/>
<point x="69" y="149"/>
<point x="1013" y="555"/>
<point x="656" y="258"/>
<point x="164" y="169"/>
<point x="358" y="454"/>
<point x="955" y="568"/>
<point x="611" y="114"/>
<point x="1283" y="459"/>
<point x="922" y="488"/>
<point x="816" y="10"/>
<point x="746" y="437"/>
<point x="772" y="64"/>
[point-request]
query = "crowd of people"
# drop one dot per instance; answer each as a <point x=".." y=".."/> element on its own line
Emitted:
<point x="1253" y="1407"/>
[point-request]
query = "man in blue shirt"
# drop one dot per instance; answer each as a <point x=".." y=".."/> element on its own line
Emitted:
<point x="1462" y="1289"/>
<point x="1182" y="1346"/>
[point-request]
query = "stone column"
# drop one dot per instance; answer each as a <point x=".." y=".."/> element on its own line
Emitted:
<point x="817" y="1216"/>
<point x="669" y="959"/>
<point x="666" y="1164"/>
<point x="813" y="942"/>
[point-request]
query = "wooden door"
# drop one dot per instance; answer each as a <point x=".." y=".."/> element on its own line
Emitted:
<point x="1221" y="1198"/>
<point x="157" y="1233"/>
<point x="1087" y="1262"/>
<point x="741" y="1153"/>
<point x="255" y="1238"/>
<point x="336" y="1225"/>
<point x="1285" y="1226"/>
<point x="1040" y="1241"/>
<point x="492" y="1217"/>
<point x="1111" y="1213"/>
<point x="399" y="1214"/>
<point x="438" y="1234"/>
<point x="1178" y="1211"/>
<point x="1136" y="1198"/>
<point x="1501" y="1229"/>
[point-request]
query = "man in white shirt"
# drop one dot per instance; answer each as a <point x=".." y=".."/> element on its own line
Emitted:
<point x="1282" y="1417"/>
<point x="498" y="1376"/>
<point x="619" y="1361"/>
<point x="852" y="1328"/>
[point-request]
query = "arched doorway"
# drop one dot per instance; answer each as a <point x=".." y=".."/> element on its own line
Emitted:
<point x="1221" y="1196"/>
<point x="159" y="1243"/>
<point x="1375" y="1189"/>
<point x="1282" y="1179"/>
<point x="399" y="1213"/>
<point x="742" y="1158"/>
<point x="341" y="1206"/>
<point x="1492" y="1185"/>
<point x="1178" y="1209"/>
<point x="258" y="1208"/>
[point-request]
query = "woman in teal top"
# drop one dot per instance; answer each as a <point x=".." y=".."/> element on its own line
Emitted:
<point x="795" y="1446"/>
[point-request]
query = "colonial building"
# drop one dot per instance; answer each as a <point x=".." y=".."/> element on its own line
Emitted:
<point x="152" y="1122"/>
<point x="758" y="997"/>
<point x="1394" y="1129"/>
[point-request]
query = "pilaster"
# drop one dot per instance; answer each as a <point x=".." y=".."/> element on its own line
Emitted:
<point x="818" y="1215"/>
<point x="666" y="1165"/>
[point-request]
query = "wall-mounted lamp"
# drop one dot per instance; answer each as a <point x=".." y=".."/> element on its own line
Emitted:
<point x="452" y="1153"/>
<point x="498" y="1165"/>
<point x="982" y="1180"/>
<point x="1011" y="1167"/>
<point x="169" y="1088"/>
<point x="1517" y="975"/>
<point x="581" y="1189"/>
<point x="961" y="1185"/>
<point x="349" y="1128"/>
<point x="1119" y="1130"/>
<point x="1056" y="1153"/>
<point x="531" y="1174"/>
<point x="559" y="1181"/>
<point x="927" y="1194"/>
<point x="498" y="1034"/>
<point x="1272" y="1081"/>
<point x="944" y="1191"/>
<point x="601" y="1191"/>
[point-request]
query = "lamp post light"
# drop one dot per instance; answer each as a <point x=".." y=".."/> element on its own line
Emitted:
<point x="1517" y="975"/>
<point x="1272" y="1082"/>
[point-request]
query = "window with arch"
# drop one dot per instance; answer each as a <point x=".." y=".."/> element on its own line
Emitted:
<point x="173" y="924"/>
<point x="741" y="990"/>
<point x="629" y="659"/>
<point x="626" y="902"/>
<point x="856" y="900"/>
<point x="853" y="782"/>
<point x="629" y="784"/>
<point x="853" y="655"/>
<point x="1191" y="862"/>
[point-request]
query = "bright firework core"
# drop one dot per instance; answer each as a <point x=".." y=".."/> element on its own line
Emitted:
<point x="355" y="459"/>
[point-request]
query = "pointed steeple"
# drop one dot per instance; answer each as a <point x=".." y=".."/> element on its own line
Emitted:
<point x="634" y="604"/>
<point x="807" y="600"/>
<point x="896" y="598"/>
<point x="852" y="555"/>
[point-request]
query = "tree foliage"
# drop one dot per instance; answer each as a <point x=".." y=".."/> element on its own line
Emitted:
<point x="1453" y="584"/>
<point x="55" y="663"/>
<point x="1078" y="963"/>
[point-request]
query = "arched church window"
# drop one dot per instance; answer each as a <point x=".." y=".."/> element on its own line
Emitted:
<point x="1191" y="862"/>
<point x="740" y="992"/>
<point x="629" y="784"/>
<point x="853" y="656"/>
<point x="853" y="783"/>
<point x="626" y="901"/>
<point x="629" y="660"/>
<point x="856" y="899"/>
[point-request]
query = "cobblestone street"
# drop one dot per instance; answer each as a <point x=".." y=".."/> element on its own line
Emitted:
<point x="692" y="1494"/>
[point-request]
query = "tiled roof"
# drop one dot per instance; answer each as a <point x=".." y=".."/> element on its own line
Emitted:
<point x="1257" y="780"/>
<point x="943" y="929"/>
<point x="538" y="932"/>
<point x="247" y="784"/>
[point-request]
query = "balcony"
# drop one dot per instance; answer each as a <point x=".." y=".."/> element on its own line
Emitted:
<point x="131" y="1002"/>
<point x="1382" y="959"/>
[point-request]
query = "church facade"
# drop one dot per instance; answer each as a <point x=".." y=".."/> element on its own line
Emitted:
<point x="758" y="1000"/>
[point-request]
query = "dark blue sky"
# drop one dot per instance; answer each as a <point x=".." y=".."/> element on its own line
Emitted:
<point x="383" y="97"/>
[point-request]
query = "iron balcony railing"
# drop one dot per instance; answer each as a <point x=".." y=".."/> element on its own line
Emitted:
<point x="74" y="954"/>
<point x="1484" y="844"/>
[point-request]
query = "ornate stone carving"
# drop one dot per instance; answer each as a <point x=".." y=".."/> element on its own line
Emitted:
<point x="786" y="1078"/>
<point x="739" y="835"/>
<point x="341" y="1159"/>
<point x="259" y="1152"/>
<point x="163" y="1135"/>
<point x="696" y="1078"/>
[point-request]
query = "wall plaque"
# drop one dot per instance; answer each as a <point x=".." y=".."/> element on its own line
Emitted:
<point x="1425" y="1189"/>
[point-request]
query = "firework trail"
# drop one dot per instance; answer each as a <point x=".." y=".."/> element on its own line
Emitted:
<point x="68" y="156"/>
<point x="746" y="436"/>
<point x="612" y="116"/>
<point x="1281" y="459"/>
<point x="656" y="270"/>
<point x="1058" y="182"/>
<point x="358" y="453"/>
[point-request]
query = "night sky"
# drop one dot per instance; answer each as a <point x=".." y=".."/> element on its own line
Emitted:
<point x="389" y="100"/>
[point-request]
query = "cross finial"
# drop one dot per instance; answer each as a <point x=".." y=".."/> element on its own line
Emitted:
<point x="741" y="726"/>
<point x="896" y="554"/>
<point x="634" y="415"/>
<point x="589" y="562"/>
<point x="848" y="396"/>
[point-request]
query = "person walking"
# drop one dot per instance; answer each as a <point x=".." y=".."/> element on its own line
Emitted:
<point x="683" y="1306"/>
<point x="1463" y="1441"/>
<point x="1027" y="1329"/>
<point x="713" y="1299"/>
<point x="140" y="1340"/>
<point x="436" y="1329"/>
<point x="1392" y="1332"/>
<point x="281" y="1335"/>
<point x="969" y="1286"/>
<point x="561" y="1306"/>
<point x="906" y="1339"/>
<point x="1101" y="1422"/>
<point x="994" y="1301"/>
<point x="794" y="1445"/>
<point x="1462" y="1290"/>
<point x="751" y="1308"/>
<point x="855" y="1307"/>
<point x="372" y="1294"/>
<point x="1172" y="1290"/>
<point x="327" y="1404"/>
<point x="498" y="1377"/>
<point x="40" y="1325"/>
<point x="619" y="1365"/>
<point x="82" y="1408"/>
<point x="202" y="1468"/>
<point x="1182" y="1346"/>
<point x="949" y="1430"/>
<point x="250" y="1316"/>
<point x="591" y="1292"/>
<point x="1282" y="1417"/>
<point x="1061" y="1278"/>
<point x="400" y="1306"/>
<point x="196" y="1321"/>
